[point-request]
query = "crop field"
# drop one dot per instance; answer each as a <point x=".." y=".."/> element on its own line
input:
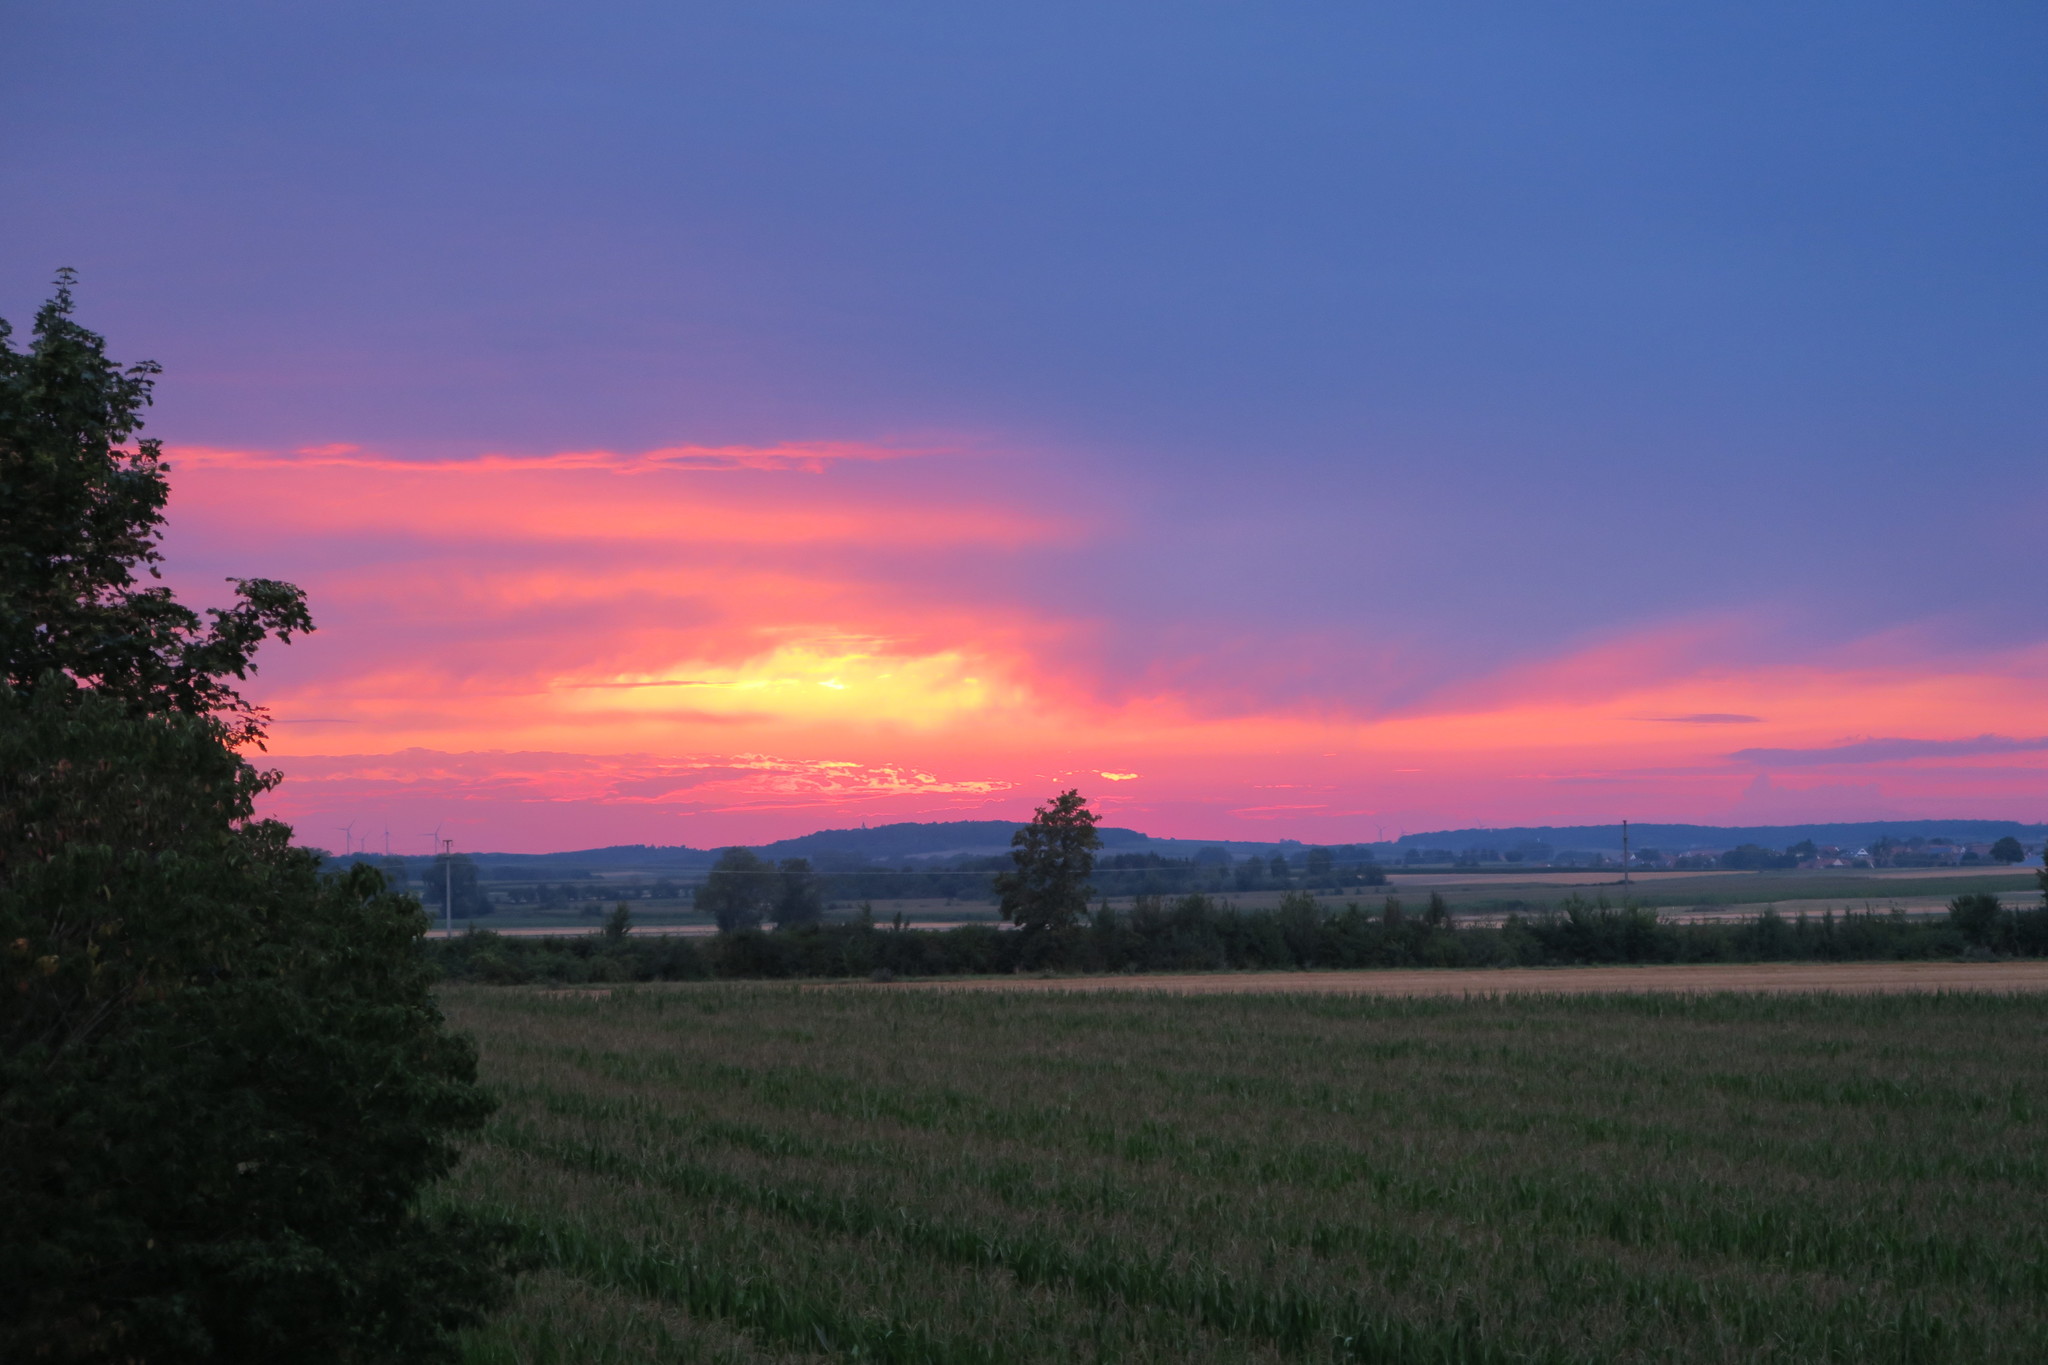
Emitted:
<point x="1484" y="896"/>
<point x="1922" y="890"/>
<point x="1778" y="978"/>
<point x="749" y="1173"/>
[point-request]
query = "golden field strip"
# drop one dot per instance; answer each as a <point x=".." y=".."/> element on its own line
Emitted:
<point x="745" y="1172"/>
<point x="1860" y="978"/>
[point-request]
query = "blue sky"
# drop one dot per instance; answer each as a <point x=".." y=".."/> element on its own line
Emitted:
<point x="1384" y="350"/>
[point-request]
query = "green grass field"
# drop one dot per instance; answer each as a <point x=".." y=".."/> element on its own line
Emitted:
<point x="743" y="1173"/>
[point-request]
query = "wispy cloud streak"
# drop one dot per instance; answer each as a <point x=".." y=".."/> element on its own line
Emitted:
<point x="809" y="458"/>
<point x="1889" y="751"/>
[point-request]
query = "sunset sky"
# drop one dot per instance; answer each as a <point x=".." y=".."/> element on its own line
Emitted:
<point x="710" y="423"/>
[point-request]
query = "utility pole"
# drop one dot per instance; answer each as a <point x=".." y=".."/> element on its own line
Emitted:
<point x="1624" y="853"/>
<point x="448" y="883"/>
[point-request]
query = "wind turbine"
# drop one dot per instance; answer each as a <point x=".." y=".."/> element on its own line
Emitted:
<point x="348" y="838"/>
<point x="448" y="886"/>
<point x="436" y="847"/>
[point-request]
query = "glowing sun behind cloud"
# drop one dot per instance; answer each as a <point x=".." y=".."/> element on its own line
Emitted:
<point x="702" y="647"/>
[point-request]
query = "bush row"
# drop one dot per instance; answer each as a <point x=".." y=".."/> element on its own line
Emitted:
<point x="1198" y="933"/>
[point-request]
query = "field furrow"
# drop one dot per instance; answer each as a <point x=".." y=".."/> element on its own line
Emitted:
<point x="951" y="1177"/>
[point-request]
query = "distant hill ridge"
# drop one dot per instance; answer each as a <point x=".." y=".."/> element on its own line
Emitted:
<point x="936" y="838"/>
<point x="954" y="838"/>
<point x="1678" y="838"/>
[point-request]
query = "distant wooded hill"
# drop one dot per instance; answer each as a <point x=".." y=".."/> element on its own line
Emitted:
<point x="946" y="839"/>
<point x="1607" y="838"/>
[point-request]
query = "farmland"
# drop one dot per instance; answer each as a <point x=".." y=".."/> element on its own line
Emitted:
<point x="1474" y="895"/>
<point x="1882" y="978"/>
<point x="755" y="1172"/>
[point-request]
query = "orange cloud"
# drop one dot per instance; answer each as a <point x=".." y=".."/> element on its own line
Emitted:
<point x="709" y="644"/>
<point x="599" y="496"/>
<point x="812" y="457"/>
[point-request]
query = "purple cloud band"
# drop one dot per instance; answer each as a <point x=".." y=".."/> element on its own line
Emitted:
<point x="1888" y="751"/>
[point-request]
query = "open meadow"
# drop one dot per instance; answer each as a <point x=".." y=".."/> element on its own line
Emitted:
<point x="746" y="1172"/>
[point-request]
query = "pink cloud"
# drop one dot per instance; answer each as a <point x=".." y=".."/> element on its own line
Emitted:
<point x="806" y="457"/>
<point x="701" y="644"/>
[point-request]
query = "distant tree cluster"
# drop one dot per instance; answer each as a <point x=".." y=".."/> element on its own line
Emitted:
<point x="744" y="892"/>
<point x="1752" y="858"/>
<point x="455" y="873"/>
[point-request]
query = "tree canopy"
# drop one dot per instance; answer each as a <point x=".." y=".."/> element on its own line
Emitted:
<point x="1977" y="916"/>
<point x="223" y="1079"/>
<point x="454" y="873"/>
<point x="1054" y="856"/>
<point x="797" y="898"/>
<point x="740" y="892"/>
<point x="81" y="514"/>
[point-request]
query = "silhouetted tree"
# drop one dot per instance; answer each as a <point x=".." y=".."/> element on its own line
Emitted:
<point x="1977" y="916"/>
<point x="224" y="1082"/>
<point x="460" y="871"/>
<point x="740" y="892"/>
<point x="618" y="924"/>
<point x="1054" y="857"/>
<point x="80" y="515"/>
<point x="2008" y="850"/>
<point x="797" y="898"/>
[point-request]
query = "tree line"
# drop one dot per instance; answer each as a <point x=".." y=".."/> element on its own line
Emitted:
<point x="1046" y="893"/>
<point x="1201" y="933"/>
